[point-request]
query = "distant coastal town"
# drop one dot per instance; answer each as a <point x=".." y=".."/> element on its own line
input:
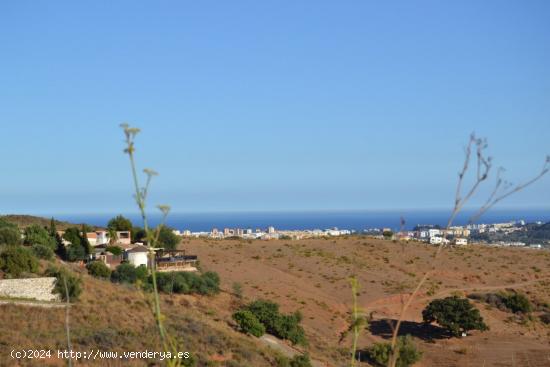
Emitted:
<point x="510" y="234"/>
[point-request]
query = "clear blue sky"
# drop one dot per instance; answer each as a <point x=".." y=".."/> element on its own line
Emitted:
<point x="268" y="105"/>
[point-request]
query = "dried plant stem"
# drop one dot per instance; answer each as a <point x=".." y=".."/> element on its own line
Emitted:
<point x="140" y="195"/>
<point x="67" y="318"/>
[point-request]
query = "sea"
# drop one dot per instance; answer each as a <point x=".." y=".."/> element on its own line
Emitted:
<point x="357" y="220"/>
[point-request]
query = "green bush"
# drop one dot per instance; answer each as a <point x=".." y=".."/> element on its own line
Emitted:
<point x="66" y="282"/>
<point x="16" y="260"/>
<point x="98" y="269"/>
<point x="455" y="314"/>
<point x="188" y="282"/>
<point x="120" y="223"/>
<point x="283" y="326"/>
<point x="42" y="251"/>
<point x="408" y="354"/>
<point x="115" y="250"/>
<point x="265" y="311"/>
<point x="248" y="323"/>
<point x="10" y="235"/>
<point x="167" y="239"/>
<point x="505" y="301"/>
<point x="288" y="327"/>
<point x="75" y="252"/>
<point x="37" y="235"/>
<point x="517" y="302"/>
<point x="300" y="360"/>
<point x="128" y="273"/>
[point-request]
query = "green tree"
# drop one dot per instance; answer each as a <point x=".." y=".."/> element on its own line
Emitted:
<point x="37" y="235"/>
<point x="67" y="284"/>
<point x="167" y="238"/>
<point x="60" y="249"/>
<point x="42" y="252"/>
<point x="138" y="235"/>
<point x="16" y="260"/>
<point x="120" y="223"/>
<point x="10" y="235"/>
<point x="77" y="250"/>
<point x="72" y="235"/>
<point x="98" y="269"/>
<point x="455" y="314"/>
<point x="84" y="239"/>
<point x="248" y="323"/>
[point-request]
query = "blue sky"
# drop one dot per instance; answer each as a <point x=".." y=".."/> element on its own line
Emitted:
<point x="268" y="105"/>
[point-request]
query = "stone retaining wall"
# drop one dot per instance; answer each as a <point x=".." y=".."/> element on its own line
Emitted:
<point x="39" y="289"/>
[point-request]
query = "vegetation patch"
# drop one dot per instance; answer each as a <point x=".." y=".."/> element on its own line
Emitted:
<point x="407" y="352"/>
<point x="280" y="325"/>
<point x="455" y="314"/>
<point x="505" y="301"/>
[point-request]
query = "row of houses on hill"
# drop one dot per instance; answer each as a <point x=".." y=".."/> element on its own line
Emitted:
<point x="136" y="253"/>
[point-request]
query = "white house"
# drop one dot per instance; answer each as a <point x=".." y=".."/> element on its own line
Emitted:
<point x="137" y="255"/>
<point x="432" y="232"/>
<point x="435" y="240"/>
<point x="461" y="241"/>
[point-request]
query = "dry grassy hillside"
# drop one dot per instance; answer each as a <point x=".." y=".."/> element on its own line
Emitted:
<point x="312" y="275"/>
<point x="23" y="221"/>
<point x="114" y="317"/>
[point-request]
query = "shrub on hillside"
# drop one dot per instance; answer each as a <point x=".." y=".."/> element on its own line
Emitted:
<point x="10" y="235"/>
<point x="79" y="246"/>
<point x="188" y="282"/>
<point x="455" y="314"/>
<point x="128" y="273"/>
<point x="288" y="327"/>
<point x="16" y="260"/>
<point x="75" y="252"/>
<point x="98" y="269"/>
<point x="37" y="235"/>
<point x="407" y="354"/>
<point x="248" y="323"/>
<point x="517" y="302"/>
<point x="283" y="326"/>
<point x="67" y="284"/>
<point x="300" y="360"/>
<point x="545" y="318"/>
<point x="42" y="251"/>
<point x="505" y="301"/>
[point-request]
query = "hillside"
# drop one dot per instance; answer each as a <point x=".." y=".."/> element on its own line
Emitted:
<point x="112" y="317"/>
<point x="28" y="220"/>
<point x="312" y="275"/>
